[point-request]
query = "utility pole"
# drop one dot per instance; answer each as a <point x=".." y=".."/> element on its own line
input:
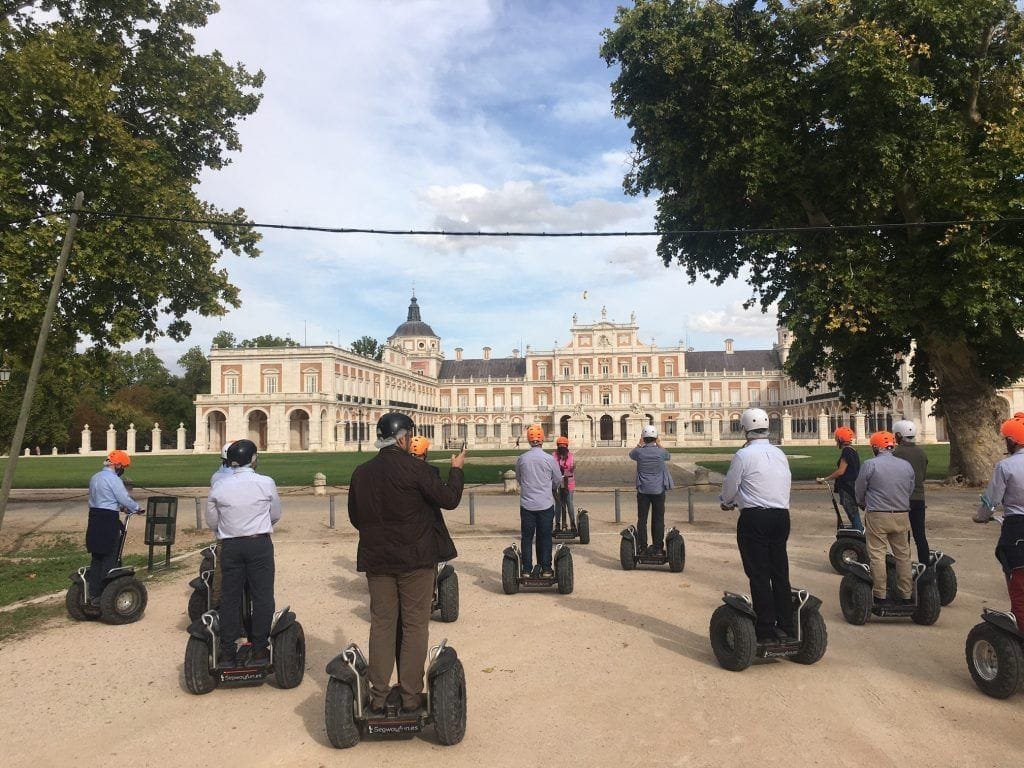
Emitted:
<point x="37" y="358"/>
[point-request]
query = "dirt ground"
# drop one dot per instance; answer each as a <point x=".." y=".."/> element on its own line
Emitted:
<point x="619" y="673"/>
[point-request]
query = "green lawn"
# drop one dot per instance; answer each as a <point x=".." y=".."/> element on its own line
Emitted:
<point x="809" y="462"/>
<point x="169" y="471"/>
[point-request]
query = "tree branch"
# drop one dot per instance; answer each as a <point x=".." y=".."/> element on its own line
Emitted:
<point x="972" y="107"/>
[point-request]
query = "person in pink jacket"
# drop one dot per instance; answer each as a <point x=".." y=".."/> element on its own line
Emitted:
<point x="565" y="514"/>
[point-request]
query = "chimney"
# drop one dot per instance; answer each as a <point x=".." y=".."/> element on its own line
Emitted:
<point x="487" y="353"/>
<point x="515" y="354"/>
<point x="458" y="353"/>
<point x="728" y="346"/>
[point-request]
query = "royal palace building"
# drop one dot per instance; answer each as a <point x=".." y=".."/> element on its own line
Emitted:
<point x="599" y="389"/>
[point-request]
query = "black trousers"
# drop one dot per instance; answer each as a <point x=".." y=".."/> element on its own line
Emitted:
<point x="917" y="529"/>
<point x="761" y="535"/>
<point x="247" y="561"/>
<point x="655" y="502"/>
<point x="102" y="539"/>
<point x="100" y="567"/>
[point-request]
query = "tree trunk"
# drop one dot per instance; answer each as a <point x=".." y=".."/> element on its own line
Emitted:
<point x="972" y="409"/>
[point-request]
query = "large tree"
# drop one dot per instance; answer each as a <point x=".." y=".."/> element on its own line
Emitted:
<point x="367" y="346"/>
<point x="110" y="97"/>
<point x="830" y="113"/>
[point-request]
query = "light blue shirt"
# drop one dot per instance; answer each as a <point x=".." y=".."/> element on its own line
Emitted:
<point x="539" y="476"/>
<point x="652" y="476"/>
<point x="885" y="483"/>
<point x="244" y="504"/>
<point x="758" y="477"/>
<point x="1007" y="484"/>
<point x="220" y="474"/>
<point x="107" y="491"/>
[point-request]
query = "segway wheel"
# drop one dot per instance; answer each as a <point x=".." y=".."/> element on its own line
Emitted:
<point x="813" y="637"/>
<point x="73" y="602"/>
<point x="845" y="550"/>
<point x="198" y="677"/>
<point x="448" y="597"/>
<point x="583" y="526"/>
<point x="995" y="660"/>
<point x="564" y="574"/>
<point x="123" y="601"/>
<point x="732" y="638"/>
<point x="289" y="656"/>
<point x="448" y="702"/>
<point x="928" y="604"/>
<point x="197" y="604"/>
<point x="676" y="554"/>
<point x="855" y="599"/>
<point x="946" y="578"/>
<point x="509" y="577"/>
<point x="626" y="555"/>
<point x="340" y="715"/>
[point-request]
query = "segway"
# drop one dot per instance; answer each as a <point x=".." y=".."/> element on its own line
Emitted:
<point x="857" y="603"/>
<point x="945" y="576"/>
<point x="446" y="593"/>
<point x="579" y="528"/>
<point x="512" y="577"/>
<point x="850" y="544"/>
<point x="347" y="712"/>
<point x="287" y="652"/>
<point x="631" y="555"/>
<point x="123" y="599"/>
<point x="204" y="597"/>
<point x="735" y="642"/>
<point x="995" y="654"/>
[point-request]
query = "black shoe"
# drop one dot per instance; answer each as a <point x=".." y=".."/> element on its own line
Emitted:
<point x="535" y="573"/>
<point x="786" y="636"/>
<point x="260" y="657"/>
<point x="558" y="529"/>
<point x="547" y="573"/>
<point x="374" y="710"/>
<point x="880" y="602"/>
<point x="227" y="658"/>
<point x="906" y="602"/>
<point x="525" y="573"/>
<point x="767" y="639"/>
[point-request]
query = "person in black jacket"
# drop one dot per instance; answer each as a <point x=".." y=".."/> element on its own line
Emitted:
<point x="418" y="447"/>
<point x="391" y="503"/>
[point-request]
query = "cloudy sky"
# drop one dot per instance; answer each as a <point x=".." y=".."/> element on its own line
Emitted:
<point x="488" y="115"/>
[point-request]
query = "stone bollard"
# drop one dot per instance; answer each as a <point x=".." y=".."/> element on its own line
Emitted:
<point x="700" y="476"/>
<point x="319" y="484"/>
<point x="511" y="485"/>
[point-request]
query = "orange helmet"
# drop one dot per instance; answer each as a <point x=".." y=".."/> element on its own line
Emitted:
<point x="562" y="440"/>
<point x="119" y="459"/>
<point x="880" y="441"/>
<point x="419" y="446"/>
<point x="845" y="434"/>
<point x="535" y="433"/>
<point x="1014" y="430"/>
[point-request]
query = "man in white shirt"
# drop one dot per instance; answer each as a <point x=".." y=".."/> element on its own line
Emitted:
<point x="242" y="509"/>
<point x="758" y="482"/>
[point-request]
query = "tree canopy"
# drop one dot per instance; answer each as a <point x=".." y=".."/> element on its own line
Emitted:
<point x="840" y="113"/>
<point x="367" y="346"/>
<point x="111" y="98"/>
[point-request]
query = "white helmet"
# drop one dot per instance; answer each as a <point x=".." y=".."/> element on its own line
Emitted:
<point x="224" y="450"/>
<point x="905" y="429"/>
<point x="754" y="420"/>
<point x="649" y="431"/>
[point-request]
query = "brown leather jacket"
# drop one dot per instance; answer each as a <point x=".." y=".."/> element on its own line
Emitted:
<point x="391" y="502"/>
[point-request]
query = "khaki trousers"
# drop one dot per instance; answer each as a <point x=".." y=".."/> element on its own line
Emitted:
<point x="410" y="596"/>
<point x="882" y="531"/>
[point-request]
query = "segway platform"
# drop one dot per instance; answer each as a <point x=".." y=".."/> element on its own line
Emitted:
<point x="512" y="577"/>
<point x="581" y="531"/>
<point x="347" y="713"/>
<point x="631" y="555"/>
<point x="857" y="603"/>
<point x="734" y="640"/>
<point x="995" y="654"/>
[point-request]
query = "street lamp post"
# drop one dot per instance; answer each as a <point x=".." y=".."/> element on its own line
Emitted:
<point x="359" y="431"/>
<point x="5" y="375"/>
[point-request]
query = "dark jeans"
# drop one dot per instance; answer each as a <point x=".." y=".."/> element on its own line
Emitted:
<point x="538" y="522"/>
<point x="101" y="565"/>
<point x="849" y="504"/>
<point x="247" y="560"/>
<point x="655" y="502"/>
<point x="761" y="535"/>
<point x="917" y="529"/>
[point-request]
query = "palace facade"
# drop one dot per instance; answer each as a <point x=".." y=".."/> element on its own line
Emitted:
<point x="598" y="389"/>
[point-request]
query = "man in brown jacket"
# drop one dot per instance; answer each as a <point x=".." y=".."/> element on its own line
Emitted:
<point x="391" y="503"/>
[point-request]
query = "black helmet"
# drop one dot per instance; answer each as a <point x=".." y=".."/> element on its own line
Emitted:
<point x="241" y="453"/>
<point x="391" y="426"/>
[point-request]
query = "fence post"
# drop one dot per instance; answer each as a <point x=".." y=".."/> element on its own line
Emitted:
<point x="331" y="514"/>
<point x="689" y="503"/>
<point x="199" y="516"/>
<point x="472" y="508"/>
<point x="618" y="509"/>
